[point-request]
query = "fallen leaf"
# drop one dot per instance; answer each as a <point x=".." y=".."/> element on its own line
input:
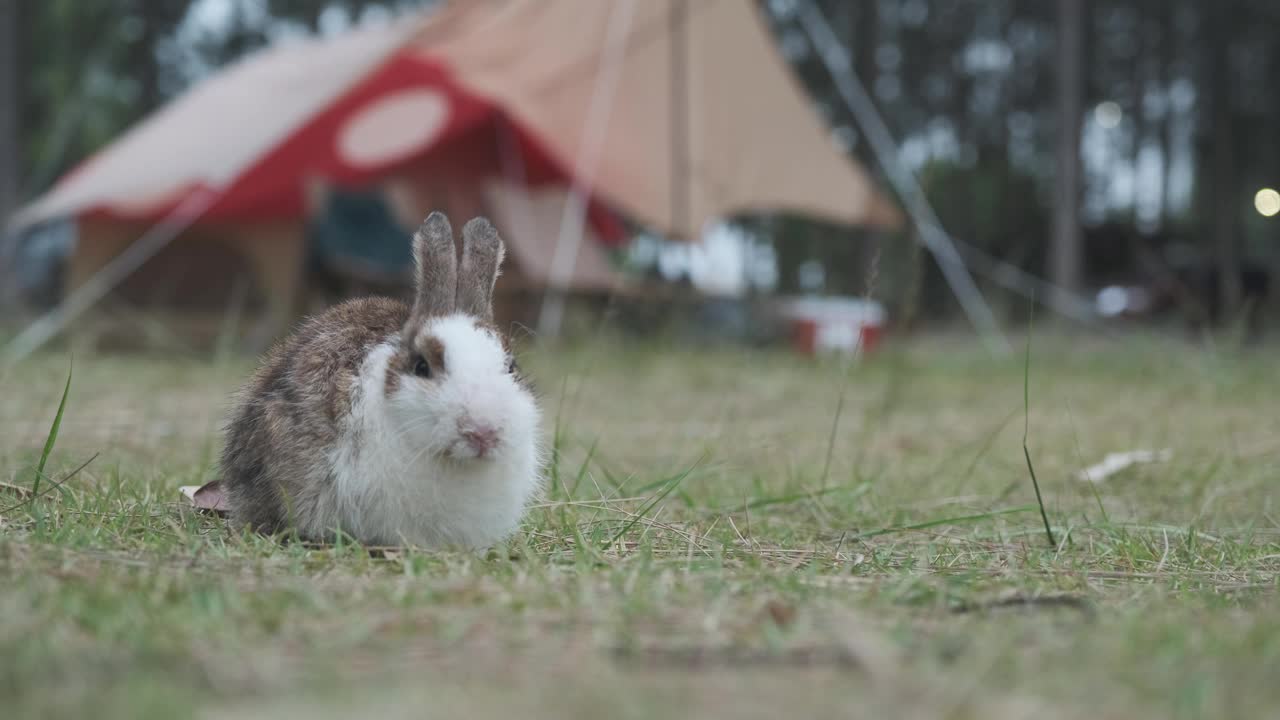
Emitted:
<point x="206" y="498"/>
<point x="1120" y="461"/>
<point x="781" y="613"/>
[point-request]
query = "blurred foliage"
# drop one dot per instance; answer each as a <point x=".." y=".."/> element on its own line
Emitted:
<point x="88" y="70"/>
<point x="968" y="87"/>
<point x="79" y="86"/>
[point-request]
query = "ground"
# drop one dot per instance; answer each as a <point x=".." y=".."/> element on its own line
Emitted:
<point x="727" y="533"/>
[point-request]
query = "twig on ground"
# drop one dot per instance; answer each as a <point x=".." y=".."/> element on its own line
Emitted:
<point x="1073" y="602"/>
<point x="53" y="485"/>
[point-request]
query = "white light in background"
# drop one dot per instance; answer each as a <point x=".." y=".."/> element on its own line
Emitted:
<point x="1112" y="301"/>
<point x="1267" y="202"/>
<point x="1108" y="114"/>
<point x="722" y="264"/>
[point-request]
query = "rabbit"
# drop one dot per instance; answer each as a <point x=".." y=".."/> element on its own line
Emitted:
<point x="395" y="425"/>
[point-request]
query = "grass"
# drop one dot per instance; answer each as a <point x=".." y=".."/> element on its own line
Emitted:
<point x="712" y="544"/>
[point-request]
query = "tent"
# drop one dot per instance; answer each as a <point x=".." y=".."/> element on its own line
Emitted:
<point x="672" y="112"/>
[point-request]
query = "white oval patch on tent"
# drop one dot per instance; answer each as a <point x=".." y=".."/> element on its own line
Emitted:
<point x="393" y="128"/>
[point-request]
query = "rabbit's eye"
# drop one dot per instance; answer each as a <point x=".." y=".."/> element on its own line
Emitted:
<point x="421" y="368"/>
<point x="512" y="368"/>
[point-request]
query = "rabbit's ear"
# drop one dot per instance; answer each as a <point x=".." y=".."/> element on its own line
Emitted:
<point x="435" y="261"/>
<point x="482" y="253"/>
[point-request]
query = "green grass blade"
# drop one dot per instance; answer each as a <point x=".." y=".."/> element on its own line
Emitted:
<point x="856" y="491"/>
<point x="52" y="437"/>
<point x="1026" y="425"/>
<point x="671" y="485"/>
<point x="835" y="428"/>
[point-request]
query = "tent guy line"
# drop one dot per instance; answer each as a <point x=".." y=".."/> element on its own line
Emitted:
<point x="47" y="326"/>
<point x="587" y="163"/>
<point x="950" y="252"/>
<point x="836" y="60"/>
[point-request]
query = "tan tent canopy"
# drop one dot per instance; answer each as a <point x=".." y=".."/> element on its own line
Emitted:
<point x="696" y="114"/>
<point x="754" y="142"/>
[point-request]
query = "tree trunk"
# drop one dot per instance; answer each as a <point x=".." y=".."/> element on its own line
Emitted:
<point x="1169" y="31"/>
<point x="147" y="63"/>
<point x="1140" y="66"/>
<point x="10" y="162"/>
<point x="1224" y="204"/>
<point x="1066" y="254"/>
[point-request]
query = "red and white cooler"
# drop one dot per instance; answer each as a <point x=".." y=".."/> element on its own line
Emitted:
<point x="834" y="325"/>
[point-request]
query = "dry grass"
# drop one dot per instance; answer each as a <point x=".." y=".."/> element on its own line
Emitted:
<point x="697" y="554"/>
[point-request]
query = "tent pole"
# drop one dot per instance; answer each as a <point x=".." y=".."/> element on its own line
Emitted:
<point x="153" y="241"/>
<point x="855" y="96"/>
<point x="573" y="220"/>
<point x="679" y="100"/>
<point x="511" y="157"/>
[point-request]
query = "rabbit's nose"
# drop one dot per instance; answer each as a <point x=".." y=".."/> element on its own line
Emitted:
<point x="481" y="438"/>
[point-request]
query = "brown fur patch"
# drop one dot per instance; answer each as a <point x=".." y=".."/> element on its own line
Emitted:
<point x="398" y="365"/>
<point x="433" y="350"/>
<point x="293" y="410"/>
<point x="392" y="382"/>
<point x="406" y="356"/>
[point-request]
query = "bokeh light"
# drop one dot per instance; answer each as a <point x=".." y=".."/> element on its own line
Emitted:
<point x="1108" y="114"/>
<point x="1267" y="202"/>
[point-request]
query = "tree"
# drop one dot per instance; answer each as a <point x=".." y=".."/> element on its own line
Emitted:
<point x="9" y="131"/>
<point x="1218" y="81"/>
<point x="1066" y="252"/>
<point x="94" y="68"/>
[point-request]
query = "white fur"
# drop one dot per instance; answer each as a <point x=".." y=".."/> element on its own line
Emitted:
<point x="401" y="471"/>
